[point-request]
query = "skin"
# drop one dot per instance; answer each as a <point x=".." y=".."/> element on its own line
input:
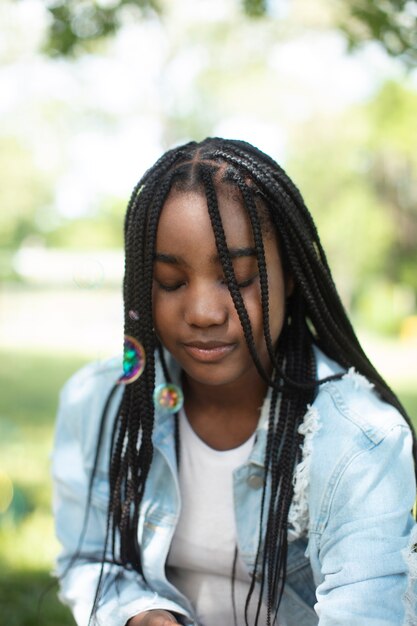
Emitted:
<point x="192" y="308"/>
<point x="195" y="319"/>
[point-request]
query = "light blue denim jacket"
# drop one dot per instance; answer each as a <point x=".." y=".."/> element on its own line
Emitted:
<point x="350" y="557"/>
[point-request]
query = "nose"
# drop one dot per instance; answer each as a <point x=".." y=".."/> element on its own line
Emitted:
<point x="206" y="306"/>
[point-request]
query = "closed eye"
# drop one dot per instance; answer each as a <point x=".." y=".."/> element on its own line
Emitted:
<point x="247" y="283"/>
<point x="165" y="287"/>
<point x="175" y="286"/>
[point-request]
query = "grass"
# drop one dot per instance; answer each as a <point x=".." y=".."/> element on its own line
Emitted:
<point x="28" y="398"/>
<point x="29" y="385"/>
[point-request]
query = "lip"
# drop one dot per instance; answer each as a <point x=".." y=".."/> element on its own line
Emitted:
<point x="208" y="352"/>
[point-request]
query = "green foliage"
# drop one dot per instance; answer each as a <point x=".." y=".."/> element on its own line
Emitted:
<point x="393" y="113"/>
<point x="99" y="231"/>
<point x="27" y="544"/>
<point x="26" y="533"/>
<point x="383" y="305"/>
<point x="326" y="162"/>
<point x="28" y="599"/>
<point x="255" y="8"/>
<point x="393" y="23"/>
<point x="392" y="120"/>
<point x="25" y="193"/>
<point x="408" y="398"/>
<point x="75" y="24"/>
<point x="357" y="172"/>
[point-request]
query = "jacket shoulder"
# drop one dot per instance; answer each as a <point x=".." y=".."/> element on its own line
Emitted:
<point x="91" y="379"/>
<point x="81" y="408"/>
<point x="351" y="403"/>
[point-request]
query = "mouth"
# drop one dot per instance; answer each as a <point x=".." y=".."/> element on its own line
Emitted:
<point x="208" y="352"/>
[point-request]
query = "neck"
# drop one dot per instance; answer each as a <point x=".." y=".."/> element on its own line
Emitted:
<point x="224" y="416"/>
<point x="230" y="398"/>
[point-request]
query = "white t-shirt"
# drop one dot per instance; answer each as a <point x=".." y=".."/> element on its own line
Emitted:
<point x="200" y="561"/>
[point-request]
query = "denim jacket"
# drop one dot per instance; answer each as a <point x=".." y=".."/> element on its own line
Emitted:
<point x="350" y="557"/>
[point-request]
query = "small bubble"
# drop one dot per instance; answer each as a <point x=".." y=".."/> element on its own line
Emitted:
<point x="134" y="315"/>
<point x="89" y="274"/>
<point x="6" y="491"/>
<point x="133" y="360"/>
<point x="168" y="397"/>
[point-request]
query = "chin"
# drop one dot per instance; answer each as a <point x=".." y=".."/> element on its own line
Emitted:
<point x="215" y="375"/>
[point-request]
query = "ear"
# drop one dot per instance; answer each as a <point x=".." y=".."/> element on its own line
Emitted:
<point x="289" y="285"/>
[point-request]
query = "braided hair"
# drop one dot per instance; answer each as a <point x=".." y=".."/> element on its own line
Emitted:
<point x="314" y="315"/>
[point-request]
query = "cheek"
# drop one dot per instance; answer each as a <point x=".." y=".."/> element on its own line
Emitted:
<point x="276" y="303"/>
<point x="277" y="311"/>
<point x="253" y="304"/>
<point x="155" y="307"/>
<point x="159" y="311"/>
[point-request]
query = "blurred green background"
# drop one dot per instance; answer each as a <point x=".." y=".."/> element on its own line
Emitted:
<point x="92" y="91"/>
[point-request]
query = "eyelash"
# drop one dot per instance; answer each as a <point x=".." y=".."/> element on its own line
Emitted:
<point x="248" y="282"/>
<point x="242" y="285"/>
<point x="169" y="287"/>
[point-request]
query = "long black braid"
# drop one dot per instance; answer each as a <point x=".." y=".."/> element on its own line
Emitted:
<point x="314" y="315"/>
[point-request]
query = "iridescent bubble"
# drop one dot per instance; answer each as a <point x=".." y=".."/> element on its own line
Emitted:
<point x="168" y="398"/>
<point x="6" y="491"/>
<point x="133" y="360"/>
<point x="134" y="315"/>
<point x="88" y="274"/>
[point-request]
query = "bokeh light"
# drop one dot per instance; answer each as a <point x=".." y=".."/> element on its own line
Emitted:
<point x="6" y="491"/>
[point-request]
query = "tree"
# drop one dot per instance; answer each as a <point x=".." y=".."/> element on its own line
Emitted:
<point x="358" y="173"/>
<point x="76" y="24"/>
<point x="393" y="23"/>
<point x="393" y="173"/>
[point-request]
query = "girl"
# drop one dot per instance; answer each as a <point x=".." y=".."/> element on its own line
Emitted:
<point x="246" y="464"/>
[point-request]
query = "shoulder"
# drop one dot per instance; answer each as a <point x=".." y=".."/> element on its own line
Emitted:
<point x="353" y="426"/>
<point x="361" y="453"/>
<point x="352" y="408"/>
<point x="84" y="395"/>
<point x="357" y="435"/>
<point x="91" y="381"/>
<point x="83" y="400"/>
<point x="81" y="406"/>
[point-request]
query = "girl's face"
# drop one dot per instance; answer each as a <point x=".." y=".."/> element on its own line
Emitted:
<point x="194" y="315"/>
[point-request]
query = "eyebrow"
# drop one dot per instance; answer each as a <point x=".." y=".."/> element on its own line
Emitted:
<point x="235" y="253"/>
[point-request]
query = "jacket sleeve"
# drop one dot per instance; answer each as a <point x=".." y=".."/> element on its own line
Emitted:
<point x="125" y="593"/>
<point x="360" y="558"/>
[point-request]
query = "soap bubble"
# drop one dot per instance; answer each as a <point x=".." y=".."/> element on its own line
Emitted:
<point x="133" y="360"/>
<point x="88" y="274"/>
<point x="168" y="398"/>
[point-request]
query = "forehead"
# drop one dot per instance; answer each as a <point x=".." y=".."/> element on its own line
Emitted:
<point x="185" y="219"/>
